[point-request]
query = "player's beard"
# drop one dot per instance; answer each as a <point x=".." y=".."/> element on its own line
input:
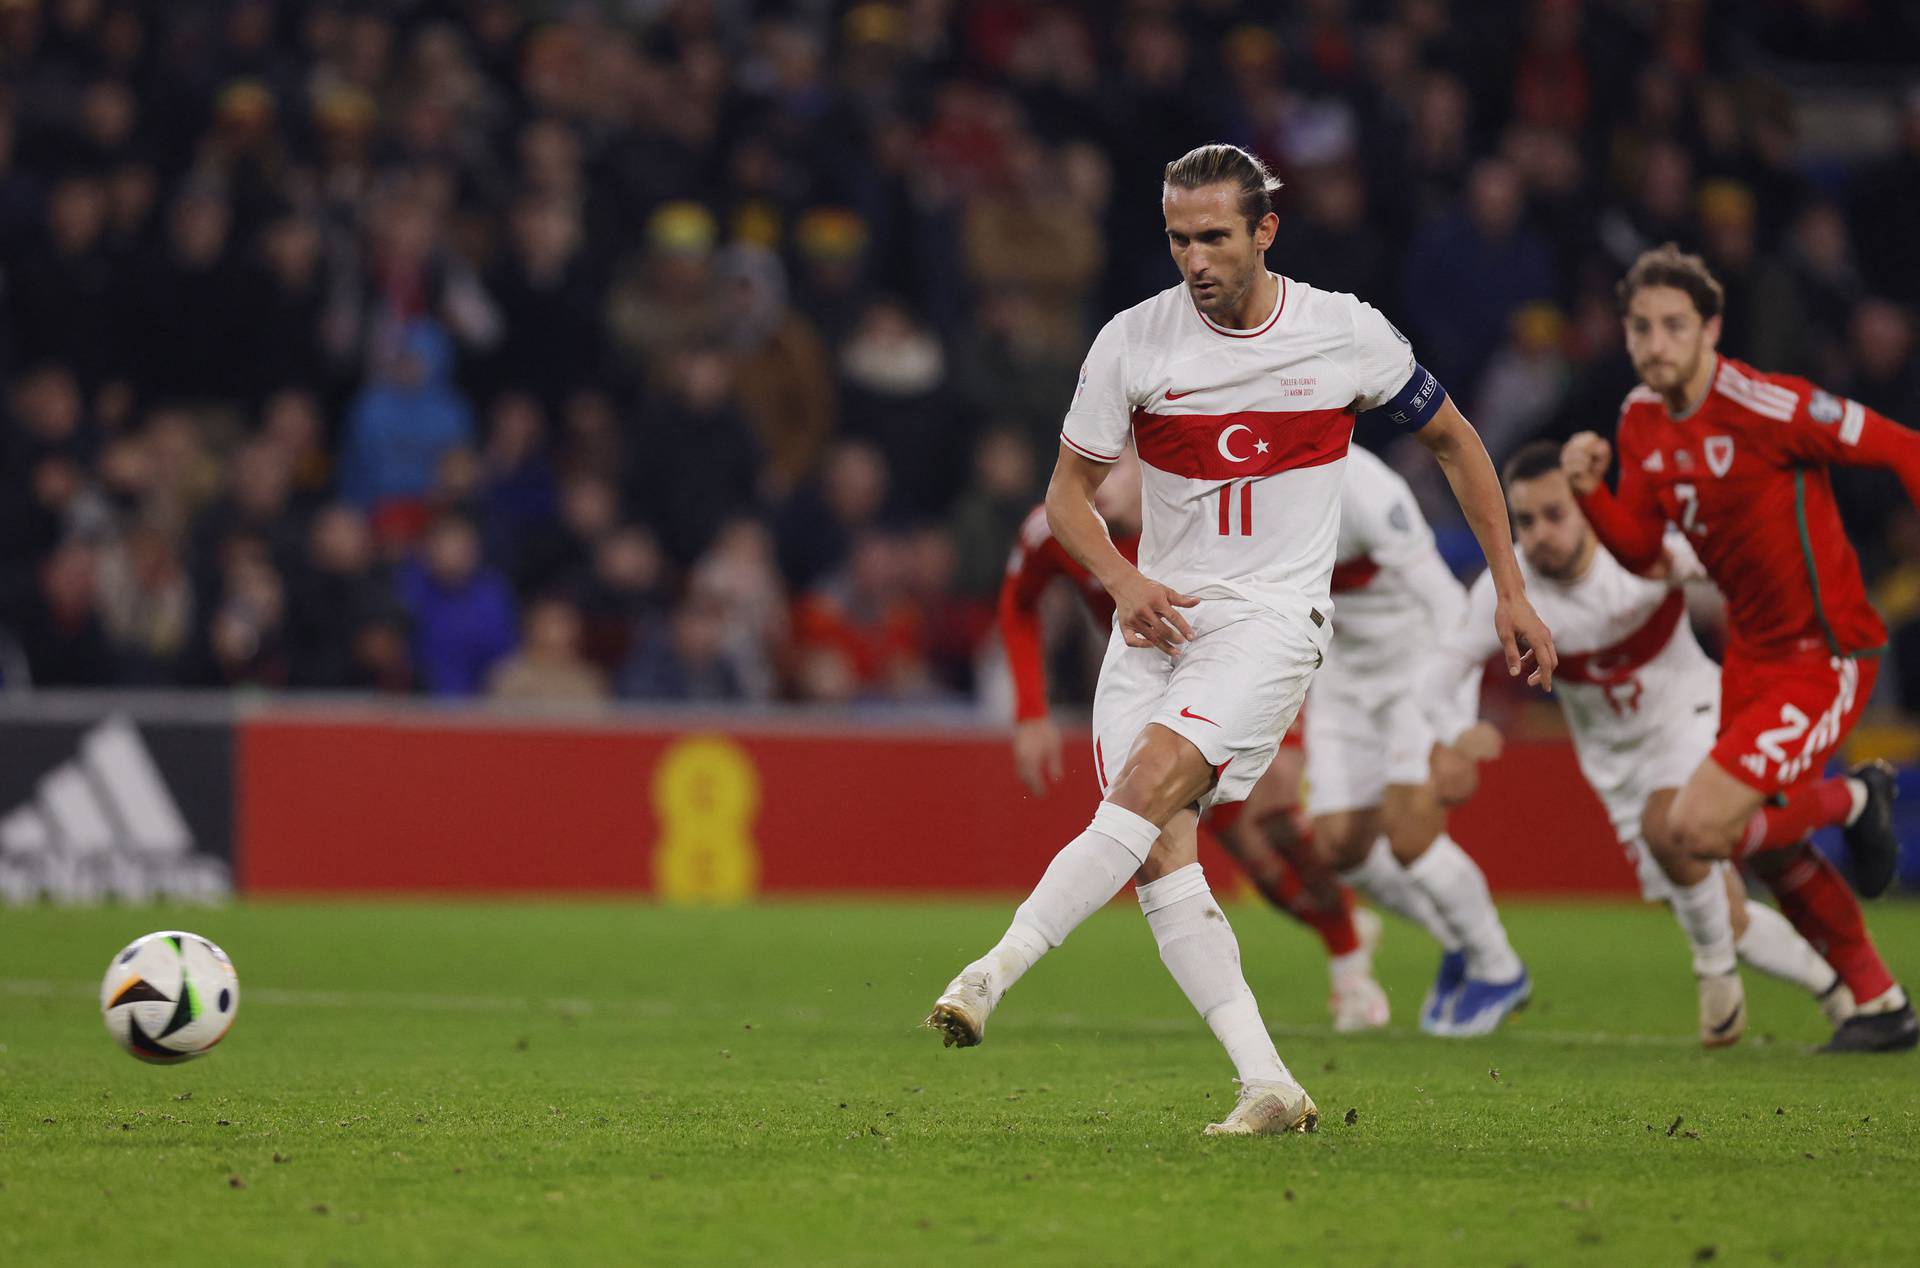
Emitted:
<point x="1672" y="374"/>
<point x="1226" y="298"/>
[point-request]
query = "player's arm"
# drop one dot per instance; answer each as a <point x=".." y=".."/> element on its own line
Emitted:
<point x="1832" y="429"/>
<point x="1036" y="740"/>
<point x="1093" y="437"/>
<point x="1392" y="382"/>
<point x="1148" y="612"/>
<point x="1629" y="523"/>
<point x="1453" y="442"/>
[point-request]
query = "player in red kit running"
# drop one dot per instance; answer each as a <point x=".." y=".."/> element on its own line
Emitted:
<point x="1737" y="459"/>
<point x="1270" y="840"/>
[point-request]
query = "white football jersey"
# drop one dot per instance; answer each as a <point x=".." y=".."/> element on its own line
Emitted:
<point x="1242" y="434"/>
<point x="1630" y="668"/>
<point x="1391" y="589"/>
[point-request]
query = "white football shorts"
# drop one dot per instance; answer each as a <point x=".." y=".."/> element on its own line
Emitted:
<point x="1360" y="741"/>
<point x="1232" y="692"/>
<point x="1668" y="759"/>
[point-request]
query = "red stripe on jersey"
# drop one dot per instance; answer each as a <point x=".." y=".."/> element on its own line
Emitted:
<point x="1229" y="446"/>
<point x="1355" y="574"/>
<point x="1082" y="449"/>
<point x="1619" y="662"/>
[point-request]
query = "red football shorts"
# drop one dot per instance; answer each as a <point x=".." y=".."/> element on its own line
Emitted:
<point x="1782" y="719"/>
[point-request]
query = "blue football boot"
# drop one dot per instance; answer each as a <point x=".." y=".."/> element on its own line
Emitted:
<point x="1446" y="984"/>
<point x="1480" y="1007"/>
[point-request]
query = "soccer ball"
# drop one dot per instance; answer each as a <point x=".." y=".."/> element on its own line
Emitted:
<point x="169" y="997"/>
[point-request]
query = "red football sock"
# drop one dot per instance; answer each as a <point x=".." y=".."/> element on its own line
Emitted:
<point x="1328" y="912"/>
<point x="1825" y="804"/>
<point x="1313" y="893"/>
<point x="1817" y="900"/>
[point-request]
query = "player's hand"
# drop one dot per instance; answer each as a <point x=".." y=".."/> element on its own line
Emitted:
<point x="1585" y="459"/>
<point x="1527" y="641"/>
<point x="1454" y="775"/>
<point x="1149" y="613"/>
<point x="1036" y="754"/>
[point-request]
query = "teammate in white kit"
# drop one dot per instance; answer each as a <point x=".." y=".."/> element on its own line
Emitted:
<point x="1240" y="389"/>
<point x="1642" y="700"/>
<point x="1368" y="743"/>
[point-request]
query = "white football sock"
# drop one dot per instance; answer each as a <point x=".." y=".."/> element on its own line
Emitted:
<point x="1199" y="949"/>
<point x="1087" y="872"/>
<point x="1704" y="917"/>
<point x="1458" y="889"/>
<point x="1857" y="790"/>
<point x="1887" y="1001"/>
<point x="1381" y="878"/>
<point x="1772" y="945"/>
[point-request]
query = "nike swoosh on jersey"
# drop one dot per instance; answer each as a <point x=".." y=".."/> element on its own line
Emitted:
<point x="1174" y="396"/>
<point x="1189" y="713"/>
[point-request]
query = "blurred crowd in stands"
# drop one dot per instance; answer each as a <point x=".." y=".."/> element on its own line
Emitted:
<point x="713" y="350"/>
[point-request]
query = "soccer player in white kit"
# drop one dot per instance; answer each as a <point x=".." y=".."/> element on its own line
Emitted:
<point x="1240" y="389"/>
<point x="1643" y="702"/>
<point x="1375" y="814"/>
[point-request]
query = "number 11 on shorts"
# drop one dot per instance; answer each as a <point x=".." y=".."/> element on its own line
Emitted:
<point x="1246" y="510"/>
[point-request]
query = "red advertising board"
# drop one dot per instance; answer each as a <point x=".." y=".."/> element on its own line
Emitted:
<point x="415" y="805"/>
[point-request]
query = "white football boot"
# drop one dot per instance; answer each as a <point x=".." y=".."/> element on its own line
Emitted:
<point x="1357" y="1000"/>
<point x="1269" y="1109"/>
<point x="961" y="1013"/>
<point x="1723" y="1009"/>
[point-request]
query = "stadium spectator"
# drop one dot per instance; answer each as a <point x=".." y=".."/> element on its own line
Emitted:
<point x="519" y="492"/>
<point x="782" y="374"/>
<point x="739" y="574"/>
<point x="462" y="610"/>
<point x="60" y="630"/>
<point x="146" y="604"/>
<point x="400" y="426"/>
<point x="859" y="635"/>
<point x="550" y="296"/>
<point x="246" y="636"/>
<point x="817" y="526"/>
<point x="1467" y="273"/>
<point x="989" y="514"/>
<point x="694" y="457"/>
<point x="1524" y="383"/>
<point x="895" y="388"/>
<point x="548" y="665"/>
<point x="686" y="659"/>
<point x="337" y="587"/>
<point x="622" y="595"/>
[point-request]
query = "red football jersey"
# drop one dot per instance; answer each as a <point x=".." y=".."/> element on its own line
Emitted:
<point x="1745" y="477"/>
<point x="1036" y="560"/>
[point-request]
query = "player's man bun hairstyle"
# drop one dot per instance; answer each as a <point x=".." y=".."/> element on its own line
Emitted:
<point x="1531" y="461"/>
<point x="1668" y="265"/>
<point x="1222" y="164"/>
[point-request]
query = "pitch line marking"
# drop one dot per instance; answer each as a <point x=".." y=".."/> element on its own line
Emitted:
<point x="276" y="997"/>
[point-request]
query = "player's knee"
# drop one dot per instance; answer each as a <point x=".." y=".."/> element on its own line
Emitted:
<point x="1162" y="774"/>
<point x="1662" y="841"/>
<point x="1344" y="839"/>
<point x="1697" y="836"/>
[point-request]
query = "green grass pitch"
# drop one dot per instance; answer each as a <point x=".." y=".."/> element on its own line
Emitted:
<point x="600" y="1084"/>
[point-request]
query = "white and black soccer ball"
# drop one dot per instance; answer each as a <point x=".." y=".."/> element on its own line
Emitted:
<point x="169" y="997"/>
